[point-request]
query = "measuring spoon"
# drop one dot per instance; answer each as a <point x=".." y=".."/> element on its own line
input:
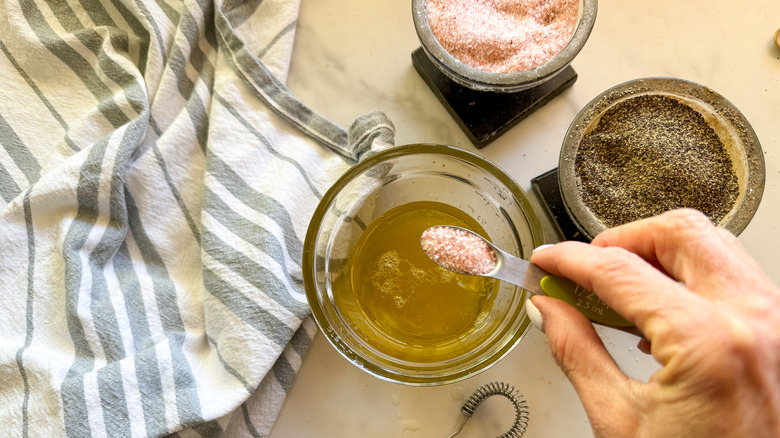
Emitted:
<point x="464" y="251"/>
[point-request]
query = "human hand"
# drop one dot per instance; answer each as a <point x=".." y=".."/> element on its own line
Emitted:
<point x="712" y="317"/>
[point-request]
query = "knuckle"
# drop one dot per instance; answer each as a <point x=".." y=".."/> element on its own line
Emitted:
<point x="694" y="230"/>
<point x="732" y="348"/>
<point x="687" y="221"/>
<point x="725" y="235"/>
<point x="615" y="262"/>
<point x="738" y="340"/>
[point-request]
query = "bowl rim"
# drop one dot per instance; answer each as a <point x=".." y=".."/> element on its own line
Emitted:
<point x="742" y="212"/>
<point x="309" y="255"/>
<point x="471" y="77"/>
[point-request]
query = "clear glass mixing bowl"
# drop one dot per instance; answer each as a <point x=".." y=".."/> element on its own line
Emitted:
<point x="398" y="176"/>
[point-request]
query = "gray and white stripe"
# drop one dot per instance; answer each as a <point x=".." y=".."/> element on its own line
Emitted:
<point x="154" y="201"/>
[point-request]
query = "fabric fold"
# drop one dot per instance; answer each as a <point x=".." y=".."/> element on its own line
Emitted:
<point x="157" y="179"/>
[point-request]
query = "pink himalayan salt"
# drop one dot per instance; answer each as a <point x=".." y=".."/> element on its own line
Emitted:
<point x="458" y="250"/>
<point x="503" y="36"/>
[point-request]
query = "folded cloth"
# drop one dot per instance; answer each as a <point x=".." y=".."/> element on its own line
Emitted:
<point x="157" y="179"/>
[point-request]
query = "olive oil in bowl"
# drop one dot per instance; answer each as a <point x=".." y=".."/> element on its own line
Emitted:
<point x="406" y="301"/>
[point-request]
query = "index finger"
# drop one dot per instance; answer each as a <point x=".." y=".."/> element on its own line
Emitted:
<point x="627" y="283"/>
<point x="688" y="247"/>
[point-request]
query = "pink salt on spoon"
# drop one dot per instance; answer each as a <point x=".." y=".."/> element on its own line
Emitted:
<point x="459" y="250"/>
<point x="463" y="251"/>
<point x="466" y="252"/>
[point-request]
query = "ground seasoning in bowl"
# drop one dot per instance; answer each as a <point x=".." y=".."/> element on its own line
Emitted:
<point x="657" y="144"/>
<point x="503" y="36"/>
<point x="652" y="153"/>
<point x="502" y="45"/>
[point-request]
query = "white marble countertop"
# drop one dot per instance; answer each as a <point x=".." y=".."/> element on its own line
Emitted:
<point x="353" y="56"/>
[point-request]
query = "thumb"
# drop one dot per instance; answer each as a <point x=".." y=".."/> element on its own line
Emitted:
<point x="604" y="390"/>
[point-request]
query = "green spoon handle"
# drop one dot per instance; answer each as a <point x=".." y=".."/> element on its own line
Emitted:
<point x="587" y="302"/>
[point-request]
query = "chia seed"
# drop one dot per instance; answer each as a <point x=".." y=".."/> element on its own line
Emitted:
<point x="650" y="154"/>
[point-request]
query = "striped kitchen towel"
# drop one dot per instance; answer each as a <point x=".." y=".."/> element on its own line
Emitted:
<point x="157" y="179"/>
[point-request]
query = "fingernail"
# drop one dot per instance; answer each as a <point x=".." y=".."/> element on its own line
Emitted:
<point x="546" y="245"/>
<point x="534" y="315"/>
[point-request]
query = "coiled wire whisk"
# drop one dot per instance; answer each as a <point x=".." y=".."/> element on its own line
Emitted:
<point x="497" y="388"/>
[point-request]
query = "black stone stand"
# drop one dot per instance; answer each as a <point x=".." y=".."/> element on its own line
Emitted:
<point x="548" y="190"/>
<point x="485" y="115"/>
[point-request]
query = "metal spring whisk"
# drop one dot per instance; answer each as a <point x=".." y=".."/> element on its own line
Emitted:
<point x="497" y="388"/>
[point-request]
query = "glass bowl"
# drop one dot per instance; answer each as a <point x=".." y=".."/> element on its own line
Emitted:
<point x="728" y="123"/>
<point x="476" y="79"/>
<point x="443" y="179"/>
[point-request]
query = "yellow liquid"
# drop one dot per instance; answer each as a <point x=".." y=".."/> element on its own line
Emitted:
<point x="401" y="292"/>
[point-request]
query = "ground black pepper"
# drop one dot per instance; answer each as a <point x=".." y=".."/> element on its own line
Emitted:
<point x="652" y="153"/>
